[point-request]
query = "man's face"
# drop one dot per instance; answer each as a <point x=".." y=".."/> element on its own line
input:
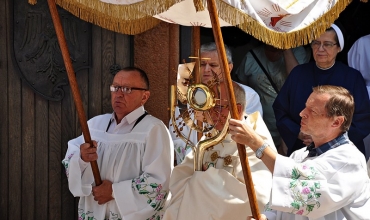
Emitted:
<point x="209" y="65"/>
<point x="123" y="103"/>
<point x="315" y="121"/>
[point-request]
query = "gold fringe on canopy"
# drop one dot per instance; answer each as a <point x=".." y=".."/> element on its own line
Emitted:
<point x="32" y="2"/>
<point x="198" y="5"/>
<point x="137" y="18"/>
<point x="283" y="40"/>
<point x="139" y="24"/>
<point x="125" y="12"/>
<point x="126" y="19"/>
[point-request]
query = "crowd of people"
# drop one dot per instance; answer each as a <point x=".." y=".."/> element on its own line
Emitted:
<point x="319" y="111"/>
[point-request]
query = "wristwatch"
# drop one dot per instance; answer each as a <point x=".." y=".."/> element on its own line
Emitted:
<point x="259" y="151"/>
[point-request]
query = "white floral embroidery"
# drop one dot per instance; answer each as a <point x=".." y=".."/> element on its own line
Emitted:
<point x="153" y="191"/>
<point x="304" y="190"/>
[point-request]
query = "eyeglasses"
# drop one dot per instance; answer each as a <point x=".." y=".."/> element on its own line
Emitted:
<point x="124" y="89"/>
<point x="212" y="65"/>
<point x="219" y="108"/>
<point x="325" y="45"/>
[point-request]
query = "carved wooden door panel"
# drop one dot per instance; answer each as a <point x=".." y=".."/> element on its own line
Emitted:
<point x="36" y="50"/>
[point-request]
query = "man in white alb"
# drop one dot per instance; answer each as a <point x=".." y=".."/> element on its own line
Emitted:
<point x="134" y="153"/>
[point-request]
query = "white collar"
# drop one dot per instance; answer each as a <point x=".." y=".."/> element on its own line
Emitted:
<point x="132" y="116"/>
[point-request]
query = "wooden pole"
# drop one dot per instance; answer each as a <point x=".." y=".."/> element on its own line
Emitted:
<point x="234" y="112"/>
<point x="196" y="71"/>
<point x="73" y="82"/>
<point x="196" y="51"/>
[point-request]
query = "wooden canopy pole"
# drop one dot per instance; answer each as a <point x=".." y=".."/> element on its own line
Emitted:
<point x="73" y="82"/>
<point x="196" y="71"/>
<point x="234" y="112"/>
<point x="196" y="51"/>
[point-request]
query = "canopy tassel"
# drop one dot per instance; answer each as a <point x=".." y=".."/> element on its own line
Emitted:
<point x="32" y="2"/>
<point x="198" y="4"/>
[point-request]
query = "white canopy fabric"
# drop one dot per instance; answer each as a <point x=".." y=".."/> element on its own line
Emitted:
<point x="184" y="13"/>
<point x="280" y="16"/>
<point x="282" y="23"/>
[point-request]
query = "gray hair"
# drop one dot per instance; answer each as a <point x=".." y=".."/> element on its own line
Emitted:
<point x="210" y="47"/>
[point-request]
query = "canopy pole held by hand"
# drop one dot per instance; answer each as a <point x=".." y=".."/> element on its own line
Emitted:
<point x="73" y="82"/>
<point x="234" y="112"/>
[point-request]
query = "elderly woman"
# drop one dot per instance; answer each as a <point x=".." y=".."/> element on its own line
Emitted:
<point x="324" y="71"/>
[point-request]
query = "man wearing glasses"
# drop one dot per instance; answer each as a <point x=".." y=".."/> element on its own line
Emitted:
<point x="134" y="153"/>
<point x="325" y="70"/>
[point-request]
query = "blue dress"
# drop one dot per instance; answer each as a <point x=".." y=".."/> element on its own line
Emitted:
<point x="298" y="87"/>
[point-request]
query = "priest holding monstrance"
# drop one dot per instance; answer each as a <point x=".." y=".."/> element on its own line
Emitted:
<point x="218" y="191"/>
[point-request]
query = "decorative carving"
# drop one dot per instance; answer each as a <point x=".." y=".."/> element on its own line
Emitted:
<point x="114" y="69"/>
<point x="36" y="48"/>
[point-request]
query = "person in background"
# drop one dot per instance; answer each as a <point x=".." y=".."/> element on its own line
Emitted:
<point x="265" y="69"/>
<point x="219" y="192"/>
<point x="359" y="58"/>
<point x="328" y="180"/>
<point x="209" y="67"/>
<point x="324" y="71"/>
<point x="134" y="153"/>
